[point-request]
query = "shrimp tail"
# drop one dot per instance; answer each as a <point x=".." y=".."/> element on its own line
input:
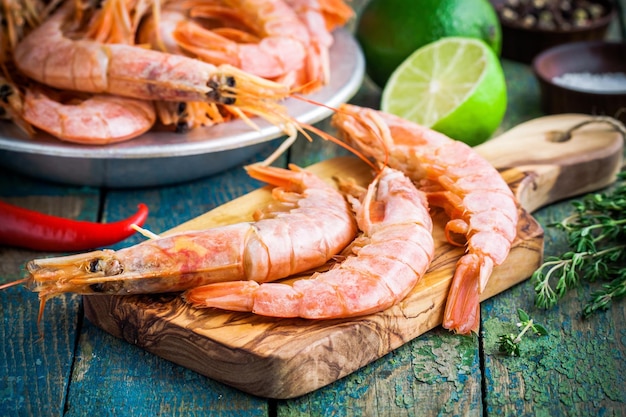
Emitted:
<point x="269" y="299"/>
<point x="462" y="313"/>
<point x="233" y="296"/>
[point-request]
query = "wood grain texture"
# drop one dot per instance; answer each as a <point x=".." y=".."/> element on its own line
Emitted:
<point x="286" y="358"/>
<point x="554" y="170"/>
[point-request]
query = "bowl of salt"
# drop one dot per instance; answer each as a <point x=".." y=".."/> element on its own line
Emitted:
<point x="583" y="77"/>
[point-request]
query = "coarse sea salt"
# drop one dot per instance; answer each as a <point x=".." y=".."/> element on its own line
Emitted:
<point x="607" y="82"/>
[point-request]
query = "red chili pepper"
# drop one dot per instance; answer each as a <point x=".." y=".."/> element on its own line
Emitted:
<point x="38" y="231"/>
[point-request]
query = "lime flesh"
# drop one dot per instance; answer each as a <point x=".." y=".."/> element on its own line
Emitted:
<point x="455" y="86"/>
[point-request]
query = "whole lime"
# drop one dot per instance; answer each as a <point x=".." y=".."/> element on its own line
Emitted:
<point x="390" y="30"/>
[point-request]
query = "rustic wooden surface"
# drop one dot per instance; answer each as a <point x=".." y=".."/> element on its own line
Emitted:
<point x="77" y="369"/>
<point x="288" y="358"/>
<point x="280" y="358"/>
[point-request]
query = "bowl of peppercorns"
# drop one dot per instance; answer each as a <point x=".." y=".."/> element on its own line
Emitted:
<point x="532" y="26"/>
<point x="583" y="77"/>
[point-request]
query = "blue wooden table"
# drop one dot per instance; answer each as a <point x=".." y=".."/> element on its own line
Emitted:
<point x="76" y="369"/>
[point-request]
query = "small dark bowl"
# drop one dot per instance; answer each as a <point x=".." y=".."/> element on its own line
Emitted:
<point x="524" y="44"/>
<point x="581" y="57"/>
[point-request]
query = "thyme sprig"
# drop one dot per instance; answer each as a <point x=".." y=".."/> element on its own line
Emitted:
<point x="596" y="236"/>
<point x="509" y="343"/>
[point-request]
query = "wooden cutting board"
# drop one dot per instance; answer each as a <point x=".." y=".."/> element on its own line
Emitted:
<point x="285" y="358"/>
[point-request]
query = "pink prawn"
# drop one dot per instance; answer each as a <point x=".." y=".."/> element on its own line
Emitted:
<point x="482" y="208"/>
<point x="307" y="223"/>
<point x="389" y="258"/>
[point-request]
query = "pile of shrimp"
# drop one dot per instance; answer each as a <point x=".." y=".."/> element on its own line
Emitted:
<point x="378" y="239"/>
<point x="95" y="72"/>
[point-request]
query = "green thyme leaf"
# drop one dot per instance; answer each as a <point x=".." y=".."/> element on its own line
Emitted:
<point x="595" y="233"/>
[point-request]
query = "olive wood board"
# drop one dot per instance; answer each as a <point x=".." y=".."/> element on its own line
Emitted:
<point x="286" y="358"/>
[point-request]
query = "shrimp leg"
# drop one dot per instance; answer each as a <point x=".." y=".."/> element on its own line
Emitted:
<point x="392" y="254"/>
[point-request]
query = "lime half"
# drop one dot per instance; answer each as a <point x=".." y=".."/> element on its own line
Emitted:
<point x="454" y="85"/>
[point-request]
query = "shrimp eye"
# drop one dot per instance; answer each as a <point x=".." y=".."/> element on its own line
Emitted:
<point x="5" y="92"/>
<point x="182" y="127"/>
<point x="215" y="94"/>
<point x="94" y="265"/>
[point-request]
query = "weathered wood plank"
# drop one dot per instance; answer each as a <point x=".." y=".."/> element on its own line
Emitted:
<point x="114" y="378"/>
<point x="578" y="369"/>
<point x="435" y="374"/>
<point x="35" y="367"/>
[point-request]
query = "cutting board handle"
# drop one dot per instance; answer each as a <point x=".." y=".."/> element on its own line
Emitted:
<point x="552" y="170"/>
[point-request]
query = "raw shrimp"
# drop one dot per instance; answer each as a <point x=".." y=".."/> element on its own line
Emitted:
<point x="320" y="17"/>
<point x="309" y="222"/>
<point x="482" y="209"/>
<point x="390" y="257"/>
<point x="281" y="38"/>
<point x="48" y="56"/>
<point x="97" y="120"/>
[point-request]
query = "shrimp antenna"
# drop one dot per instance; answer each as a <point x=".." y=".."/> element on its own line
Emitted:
<point x="42" y="300"/>
<point x="42" y="307"/>
<point x="14" y="283"/>
<point x="327" y="136"/>
<point x="304" y="129"/>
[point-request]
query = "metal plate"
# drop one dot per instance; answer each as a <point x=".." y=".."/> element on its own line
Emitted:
<point x="159" y="158"/>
